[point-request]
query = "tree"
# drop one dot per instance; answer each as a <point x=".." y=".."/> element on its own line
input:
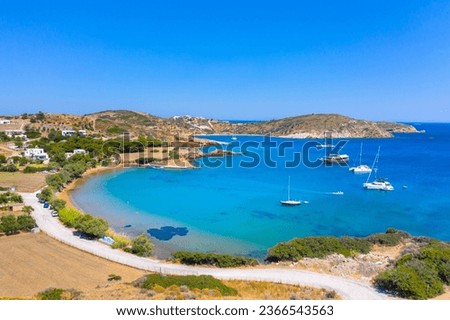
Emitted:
<point x="9" y="224"/>
<point x="28" y="209"/>
<point x="141" y="246"/>
<point x="69" y="216"/>
<point x="74" y="170"/>
<point x="26" y="222"/>
<point x="56" y="181"/>
<point x="92" y="226"/>
<point x="2" y="158"/>
<point x="46" y="194"/>
<point x="58" y="204"/>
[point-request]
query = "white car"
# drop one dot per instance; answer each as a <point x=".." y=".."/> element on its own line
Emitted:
<point x="54" y="213"/>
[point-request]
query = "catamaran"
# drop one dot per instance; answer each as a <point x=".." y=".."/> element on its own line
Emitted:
<point x="379" y="183"/>
<point x="290" y="202"/>
<point x="362" y="168"/>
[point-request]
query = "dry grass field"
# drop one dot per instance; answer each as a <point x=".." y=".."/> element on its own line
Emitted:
<point x="31" y="263"/>
<point x="24" y="182"/>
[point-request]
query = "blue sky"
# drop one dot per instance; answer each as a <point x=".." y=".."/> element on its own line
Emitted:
<point x="378" y="60"/>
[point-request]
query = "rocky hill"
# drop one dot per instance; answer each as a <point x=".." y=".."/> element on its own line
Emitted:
<point x="113" y="123"/>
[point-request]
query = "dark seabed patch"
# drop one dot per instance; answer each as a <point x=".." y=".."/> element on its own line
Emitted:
<point x="264" y="214"/>
<point x="168" y="232"/>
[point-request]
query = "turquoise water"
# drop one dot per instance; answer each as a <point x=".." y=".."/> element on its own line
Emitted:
<point x="237" y="210"/>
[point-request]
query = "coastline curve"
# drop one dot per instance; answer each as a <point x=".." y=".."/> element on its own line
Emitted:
<point x="347" y="289"/>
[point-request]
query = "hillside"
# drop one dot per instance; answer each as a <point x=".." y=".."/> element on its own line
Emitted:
<point x="113" y="123"/>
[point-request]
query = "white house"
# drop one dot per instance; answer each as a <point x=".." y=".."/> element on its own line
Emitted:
<point x="36" y="153"/>
<point x="13" y="133"/>
<point x="79" y="151"/>
<point x="75" y="151"/>
<point x="69" y="133"/>
<point x="4" y="121"/>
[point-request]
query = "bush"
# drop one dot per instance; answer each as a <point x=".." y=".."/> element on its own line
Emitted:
<point x="58" y="294"/>
<point x="419" y="275"/>
<point x="141" y="246"/>
<point x="8" y="168"/>
<point x="218" y="260"/>
<point x="192" y="282"/>
<point x="51" y="294"/>
<point x="390" y="238"/>
<point x="69" y="216"/>
<point x="10" y="197"/>
<point x="34" y="169"/>
<point x="316" y="247"/>
<point x="114" y="277"/>
<point x="91" y="225"/>
<point x="120" y="242"/>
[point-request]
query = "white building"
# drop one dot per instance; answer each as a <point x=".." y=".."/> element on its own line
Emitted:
<point x="13" y="133"/>
<point x="75" y="151"/>
<point x="4" y="121"/>
<point x="79" y="151"/>
<point x="36" y="153"/>
<point x="69" y="133"/>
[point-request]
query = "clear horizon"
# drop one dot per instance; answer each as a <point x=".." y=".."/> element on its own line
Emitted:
<point x="376" y="61"/>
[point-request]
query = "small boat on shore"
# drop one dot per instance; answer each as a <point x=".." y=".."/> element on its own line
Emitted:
<point x="290" y="202"/>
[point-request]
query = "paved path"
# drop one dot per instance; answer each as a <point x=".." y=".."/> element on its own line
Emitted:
<point x="346" y="288"/>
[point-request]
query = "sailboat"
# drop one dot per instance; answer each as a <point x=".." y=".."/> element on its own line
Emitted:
<point x="290" y="202"/>
<point x="362" y="168"/>
<point x="379" y="183"/>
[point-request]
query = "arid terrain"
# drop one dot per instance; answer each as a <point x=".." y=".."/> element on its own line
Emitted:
<point x="31" y="263"/>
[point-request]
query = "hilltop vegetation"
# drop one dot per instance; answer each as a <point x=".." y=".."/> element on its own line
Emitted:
<point x="112" y="123"/>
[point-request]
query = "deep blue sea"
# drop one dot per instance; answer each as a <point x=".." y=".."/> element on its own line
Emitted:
<point x="233" y="209"/>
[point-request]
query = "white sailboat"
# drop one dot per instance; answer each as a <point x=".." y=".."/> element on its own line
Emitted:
<point x="362" y="168"/>
<point x="379" y="183"/>
<point x="290" y="202"/>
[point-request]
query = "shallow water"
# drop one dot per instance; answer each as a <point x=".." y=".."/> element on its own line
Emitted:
<point x="237" y="210"/>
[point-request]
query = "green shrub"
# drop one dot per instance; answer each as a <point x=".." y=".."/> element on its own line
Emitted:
<point x="316" y="247"/>
<point x="10" y="197"/>
<point x="51" y="294"/>
<point x="34" y="169"/>
<point x="114" y="277"/>
<point x="421" y="275"/>
<point x="218" y="260"/>
<point x="69" y="217"/>
<point x="141" y="246"/>
<point x="192" y="282"/>
<point x="58" y="294"/>
<point x="408" y="282"/>
<point x="120" y="241"/>
<point x="8" y="168"/>
<point x="390" y="238"/>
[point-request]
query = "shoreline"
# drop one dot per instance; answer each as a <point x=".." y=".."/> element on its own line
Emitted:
<point x="347" y="289"/>
<point x="65" y="193"/>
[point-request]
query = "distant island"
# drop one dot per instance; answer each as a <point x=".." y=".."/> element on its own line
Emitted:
<point x="109" y="124"/>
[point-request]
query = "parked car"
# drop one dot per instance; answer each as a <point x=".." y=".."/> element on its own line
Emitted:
<point x="46" y="205"/>
<point x="54" y="213"/>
